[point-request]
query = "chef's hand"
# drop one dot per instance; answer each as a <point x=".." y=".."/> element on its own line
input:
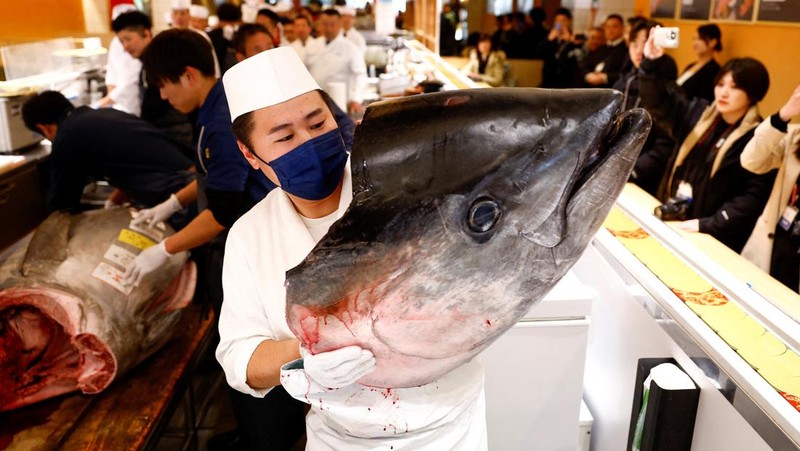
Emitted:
<point x="339" y="368"/>
<point x="159" y="213"/>
<point x="109" y="204"/>
<point x="146" y="262"/>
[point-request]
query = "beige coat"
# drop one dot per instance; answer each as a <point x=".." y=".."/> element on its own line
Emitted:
<point x="495" y="67"/>
<point x="770" y="148"/>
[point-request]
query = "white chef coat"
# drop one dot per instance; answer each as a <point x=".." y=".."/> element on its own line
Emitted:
<point x="340" y="60"/>
<point x="263" y="244"/>
<point x="123" y="71"/>
<point x="357" y="38"/>
<point x="312" y="45"/>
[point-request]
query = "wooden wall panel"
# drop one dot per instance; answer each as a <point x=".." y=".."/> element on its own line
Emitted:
<point x="27" y="20"/>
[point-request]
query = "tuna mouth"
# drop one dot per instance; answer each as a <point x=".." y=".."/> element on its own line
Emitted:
<point x="40" y="354"/>
<point x="616" y="139"/>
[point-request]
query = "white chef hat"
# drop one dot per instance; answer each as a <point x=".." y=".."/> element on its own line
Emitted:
<point x="181" y="4"/>
<point x="121" y="8"/>
<point x="266" y="79"/>
<point x="282" y="7"/>
<point x="346" y="11"/>
<point x="198" y="12"/>
<point x="249" y="13"/>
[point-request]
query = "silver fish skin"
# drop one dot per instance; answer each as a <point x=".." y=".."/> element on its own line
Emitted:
<point x="63" y="330"/>
<point x="468" y="207"/>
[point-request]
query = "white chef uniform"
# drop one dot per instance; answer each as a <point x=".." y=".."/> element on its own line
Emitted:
<point x="312" y="45"/>
<point x="266" y="242"/>
<point x="123" y="72"/>
<point x="339" y="61"/>
<point x="272" y="238"/>
<point x="357" y="38"/>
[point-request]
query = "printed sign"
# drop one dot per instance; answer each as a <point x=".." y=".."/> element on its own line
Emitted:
<point x="135" y="239"/>
<point x="112" y="276"/>
<point x="119" y="256"/>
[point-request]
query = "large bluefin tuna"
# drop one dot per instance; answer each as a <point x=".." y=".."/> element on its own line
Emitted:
<point x="66" y="322"/>
<point x="468" y="207"/>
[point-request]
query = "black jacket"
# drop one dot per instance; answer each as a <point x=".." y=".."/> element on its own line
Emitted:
<point x="657" y="151"/>
<point x="614" y="61"/>
<point x="110" y="145"/>
<point x="701" y="84"/>
<point x="734" y="197"/>
<point x="560" y="66"/>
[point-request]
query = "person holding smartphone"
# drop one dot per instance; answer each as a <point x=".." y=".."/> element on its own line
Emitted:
<point x="705" y="187"/>
<point x="775" y="242"/>
<point x="560" y="54"/>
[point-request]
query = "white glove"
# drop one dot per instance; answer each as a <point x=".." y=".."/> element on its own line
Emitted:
<point x="146" y="262"/>
<point x="335" y="369"/>
<point x="159" y="213"/>
<point x="109" y="204"/>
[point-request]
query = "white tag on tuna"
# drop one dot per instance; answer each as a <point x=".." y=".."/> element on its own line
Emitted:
<point x="788" y="217"/>
<point x="119" y="256"/>
<point x="111" y="276"/>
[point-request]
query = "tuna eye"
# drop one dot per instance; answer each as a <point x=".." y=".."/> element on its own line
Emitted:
<point x="483" y="214"/>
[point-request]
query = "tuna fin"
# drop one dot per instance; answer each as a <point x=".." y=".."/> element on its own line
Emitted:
<point x="49" y="243"/>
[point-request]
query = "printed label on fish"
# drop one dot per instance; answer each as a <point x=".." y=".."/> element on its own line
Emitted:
<point x="135" y="239"/>
<point x="119" y="256"/>
<point x="156" y="232"/>
<point x="111" y="276"/>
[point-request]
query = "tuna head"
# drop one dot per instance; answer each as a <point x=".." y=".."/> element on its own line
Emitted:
<point x="468" y="207"/>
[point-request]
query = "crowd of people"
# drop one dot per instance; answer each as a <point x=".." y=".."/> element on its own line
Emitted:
<point x="714" y="162"/>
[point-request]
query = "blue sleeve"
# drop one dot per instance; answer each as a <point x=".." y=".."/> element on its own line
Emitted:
<point x="227" y="169"/>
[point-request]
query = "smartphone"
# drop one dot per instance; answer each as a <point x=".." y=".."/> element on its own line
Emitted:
<point x="558" y="27"/>
<point x="667" y="37"/>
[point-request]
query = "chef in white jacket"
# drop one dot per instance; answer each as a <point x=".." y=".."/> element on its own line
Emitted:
<point x="349" y="31"/>
<point x="286" y="130"/>
<point x="339" y="60"/>
<point x="122" y="74"/>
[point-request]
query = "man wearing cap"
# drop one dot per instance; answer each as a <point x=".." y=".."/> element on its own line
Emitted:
<point x="179" y="13"/>
<point x="348" y="17"/>
<point x="198" y="17"/>
<point x="339" y="60"/>
<point x="287" y="131"/>
<point x="252" y="39"/>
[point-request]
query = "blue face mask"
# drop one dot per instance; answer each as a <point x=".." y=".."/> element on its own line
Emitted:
<point x="313" y="169"/>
